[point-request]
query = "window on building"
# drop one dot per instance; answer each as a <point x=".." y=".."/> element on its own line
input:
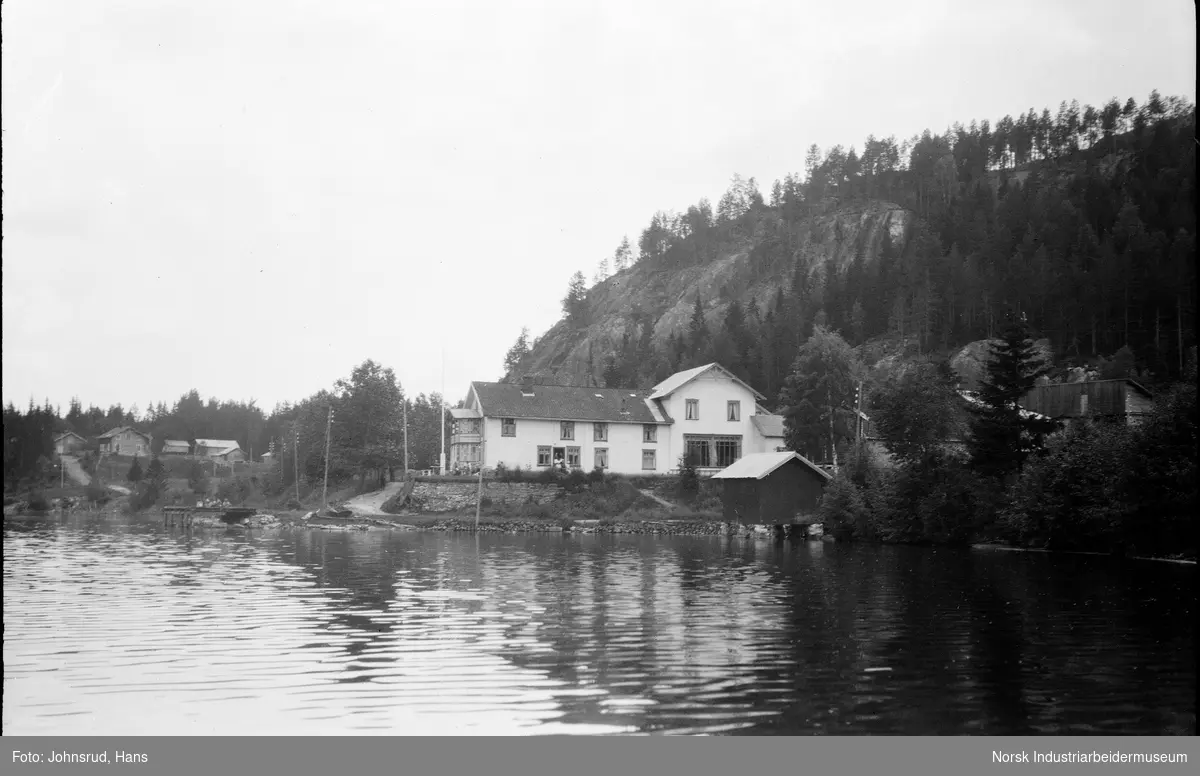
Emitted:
<point x="693" y="409"/>
<point x="543" y="455"/>
<point x="649" y="433"/>
<point x="728" y="449"/>
<point x="508" y="427"/>
<point x="601" y="457"/>
<point x="574" y="459"/>
<point x="648" y="460"/>
<point x="567" y="429"/>
<point x="697" y="451"/>
<point x="599" y="432"/>
<point x="706" y="451"/>
<point x="734" y="410"/>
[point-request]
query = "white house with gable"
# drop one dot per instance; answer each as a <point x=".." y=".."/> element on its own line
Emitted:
<point x="705" y="412"/>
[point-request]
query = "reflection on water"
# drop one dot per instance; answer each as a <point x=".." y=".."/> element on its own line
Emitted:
<point x="125" y="628"/>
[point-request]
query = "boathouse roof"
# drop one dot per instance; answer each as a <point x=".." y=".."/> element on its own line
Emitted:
<point x="758" y="465"/>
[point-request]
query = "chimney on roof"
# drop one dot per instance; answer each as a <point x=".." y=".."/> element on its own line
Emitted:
<point x="624" y="406"/>
<point x="527" y="384"/>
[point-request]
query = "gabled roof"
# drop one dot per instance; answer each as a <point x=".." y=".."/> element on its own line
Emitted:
<point x="973" y="398"/>
<point x="561" y="402"/>
<point x="174" y="443"/>
<point x="65" y="434"/>
<point x="218" y="443"/>
<point x="460" y="413"/>
<point x="759" y="465"/>
<point x="120" y="429"/>
<point x="680" y="379"/>
<point x="770" y="426"/>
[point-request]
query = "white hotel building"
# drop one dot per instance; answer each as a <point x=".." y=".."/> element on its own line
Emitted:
<point x="706" y="412"/>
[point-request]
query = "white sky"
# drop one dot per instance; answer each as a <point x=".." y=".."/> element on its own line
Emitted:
<point x="250" y="197"/>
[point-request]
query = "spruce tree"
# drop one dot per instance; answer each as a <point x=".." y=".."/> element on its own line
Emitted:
<point x="1004" y="435"/>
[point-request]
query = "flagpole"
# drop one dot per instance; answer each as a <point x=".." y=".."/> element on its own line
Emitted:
<point x="442" y="415"/>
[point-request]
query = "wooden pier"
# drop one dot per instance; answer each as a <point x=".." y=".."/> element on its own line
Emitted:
<point x="185" y="516"/>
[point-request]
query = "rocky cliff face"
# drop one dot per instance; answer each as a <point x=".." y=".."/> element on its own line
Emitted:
<point x="667" y="297"/>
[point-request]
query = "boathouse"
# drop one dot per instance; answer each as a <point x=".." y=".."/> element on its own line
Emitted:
<point x="771" y="488"/>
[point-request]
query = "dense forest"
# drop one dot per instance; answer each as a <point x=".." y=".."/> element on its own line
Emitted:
<point x="1084" y="220"/>
<point x="367" y="433"/>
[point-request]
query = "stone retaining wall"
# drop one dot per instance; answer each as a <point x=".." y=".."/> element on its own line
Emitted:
<point x="451" y="496"/>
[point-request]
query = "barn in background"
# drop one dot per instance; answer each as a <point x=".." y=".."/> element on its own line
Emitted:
<point x="771" y="488"/>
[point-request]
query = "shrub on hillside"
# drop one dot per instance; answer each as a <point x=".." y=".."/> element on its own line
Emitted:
<point x="1074" y="496"/>
<point x="689" y="478"/>
<point x="38" y="501"/>
<point x="843" y="511"/>
<point x="235" y="490"/>
<point x="96" y="493"/>
<point x="574" y="481"/>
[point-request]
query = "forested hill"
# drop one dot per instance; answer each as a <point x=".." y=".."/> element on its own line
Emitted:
<point x="1083" y="220"/>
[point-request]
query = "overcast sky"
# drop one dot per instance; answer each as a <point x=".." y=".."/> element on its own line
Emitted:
<point x="250" y="197"/>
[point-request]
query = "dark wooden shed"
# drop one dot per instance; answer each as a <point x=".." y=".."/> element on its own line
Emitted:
<point x="771" y="488"/>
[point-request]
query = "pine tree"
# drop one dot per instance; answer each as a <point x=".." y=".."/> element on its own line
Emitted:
<point x="575" y="302"/>
<point x="1003" y="434"/>
<point x="623" y="255"/>
<point x="601" y="272"/>
<point x="519" y="350"/>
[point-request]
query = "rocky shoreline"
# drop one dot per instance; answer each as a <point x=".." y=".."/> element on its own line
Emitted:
<point x="467" y="525"/>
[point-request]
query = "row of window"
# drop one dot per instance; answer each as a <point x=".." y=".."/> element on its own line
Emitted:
<point x="600" y="458"/>
<point x="733" y="410"/>
<point x="733" y="413"/>
<point x="508" y="428"/>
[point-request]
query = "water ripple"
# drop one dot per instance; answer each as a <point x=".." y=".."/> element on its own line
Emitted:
<point x="127" y="628"/>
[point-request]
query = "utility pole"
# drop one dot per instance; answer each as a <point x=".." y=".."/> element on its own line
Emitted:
<point x="858" y="425"/>
<point x="479" y="490"/>
<point x="296" y="463"/>
<point x="328" y="431"/>
<point x="404" y="410"/>
<point x="442" y="416"/>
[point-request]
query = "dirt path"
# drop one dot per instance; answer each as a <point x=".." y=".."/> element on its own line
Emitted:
<point x="661" y="501"/>
<point x="76" y="473"/>
<point x="371" y="504"/>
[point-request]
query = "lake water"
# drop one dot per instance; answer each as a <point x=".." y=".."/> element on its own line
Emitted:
<point x="117" y="626"/>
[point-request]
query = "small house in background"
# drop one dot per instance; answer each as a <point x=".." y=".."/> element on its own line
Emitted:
<point x="68" y="443"/>
<point x="1121" y="399"/>
<point x="175" y="447"/>
<point x="224" y="450"/>
<point x="124" y="440"/>
<point x="267" y="457"/>
<point x="771" y="488"/>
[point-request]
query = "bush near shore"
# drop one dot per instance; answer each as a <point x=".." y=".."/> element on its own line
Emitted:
<point x="1096" y="487"/>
